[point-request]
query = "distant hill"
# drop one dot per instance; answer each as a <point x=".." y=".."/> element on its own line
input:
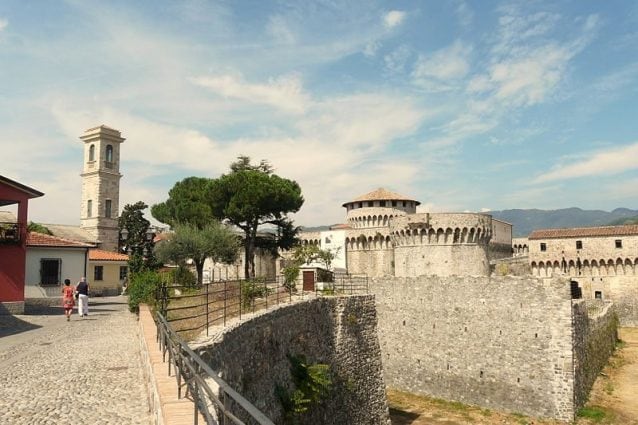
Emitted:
<point x="524" y="221"/>
<point x="619" y="221"/>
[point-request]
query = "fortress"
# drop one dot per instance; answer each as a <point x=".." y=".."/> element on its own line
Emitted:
<point x="385" y="236"/>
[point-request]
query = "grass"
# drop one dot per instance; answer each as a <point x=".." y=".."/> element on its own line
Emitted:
<point x="594" y="413"/>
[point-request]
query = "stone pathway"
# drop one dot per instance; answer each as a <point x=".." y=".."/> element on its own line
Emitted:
<point x="86" y="371"/>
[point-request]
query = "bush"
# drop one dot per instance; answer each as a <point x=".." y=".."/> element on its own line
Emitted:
<point x="252" y="289"/>
<point x="142" y="288"/>
<point x="182" y="276"/>
<point x="290" y="276"/>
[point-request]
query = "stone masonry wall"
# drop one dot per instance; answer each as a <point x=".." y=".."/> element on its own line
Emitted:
<point x="500" y="342"/>
<point x="595" y="336"/>
<point x="251" y="356"/>
<point x="374" y="262"/>
<point x="441" y="260"/>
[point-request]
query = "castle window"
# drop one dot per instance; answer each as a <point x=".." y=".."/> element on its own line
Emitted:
<point x="107" y="208"/>
<point x="579" y="244"/>
<point x="543" y="246"/>
<point x="98" y="274"/>
<point x="394" y="203"/>
<point x="618" y="243"/>
<point x="598" y="295"/>
<point x="89" y="208"/>
<point x="92" y="153"/>
<point x="369" y="203"/>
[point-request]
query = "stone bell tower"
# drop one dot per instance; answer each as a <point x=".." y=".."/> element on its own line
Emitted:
<point x="101" y="185"/>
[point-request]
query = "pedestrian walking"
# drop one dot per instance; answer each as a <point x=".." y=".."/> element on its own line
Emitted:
<point x="67" y="299"/>
<point x="83" y="297"/>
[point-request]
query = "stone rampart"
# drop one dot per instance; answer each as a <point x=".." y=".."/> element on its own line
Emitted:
<point x="251" y="356"/>
<point x="595" y="336"/>
<point x="500" y="342"/>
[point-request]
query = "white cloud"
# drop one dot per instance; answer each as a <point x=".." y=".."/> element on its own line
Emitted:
<point x="284" y="93"/>
<point x="395" y="61"/>
<point x="393" y="18"/>
<point x="279" y="30"/>
<point x="371" y="48"/>
<point x="464" y="14"/>
<point x="445" y="65"/>
<point x="612" y="161"/>
<point x="3" y="23"/>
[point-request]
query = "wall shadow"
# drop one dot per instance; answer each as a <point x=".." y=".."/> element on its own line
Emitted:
<point x="402" y="417"/>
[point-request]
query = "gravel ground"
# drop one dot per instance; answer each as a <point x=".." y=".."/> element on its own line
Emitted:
<point x="86" y="371"/>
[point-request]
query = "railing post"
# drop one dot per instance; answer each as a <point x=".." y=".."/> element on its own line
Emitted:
<point x="225" y="296"/>
<point x="266" y="293"/>
<point x="207" y="301"/>
<point x="240" y="304"/>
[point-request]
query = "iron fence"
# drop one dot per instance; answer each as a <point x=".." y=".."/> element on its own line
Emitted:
<point x="193" y="309"/>
<point x="193" y="376"/>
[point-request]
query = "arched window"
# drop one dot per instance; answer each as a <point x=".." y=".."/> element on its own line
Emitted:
<point x="92" y="153"/>
<point x="109" y="153"/>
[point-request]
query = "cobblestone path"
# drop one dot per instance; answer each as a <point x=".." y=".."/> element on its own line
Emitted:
<point x="86" y="371"/>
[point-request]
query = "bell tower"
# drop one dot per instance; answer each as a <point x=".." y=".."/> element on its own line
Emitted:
<point x="101" y="185"/>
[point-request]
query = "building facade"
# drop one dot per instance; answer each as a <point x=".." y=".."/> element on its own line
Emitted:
<point x="601" y="262"/>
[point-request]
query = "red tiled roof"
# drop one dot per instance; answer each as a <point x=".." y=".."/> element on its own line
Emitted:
<point x="101" y="255"/>
<point x="40" y="239"/>
<point x="381" y="194"/>
<point x="576" y="232"/>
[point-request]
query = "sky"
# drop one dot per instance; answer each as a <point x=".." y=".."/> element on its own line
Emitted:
<point x="461" y="105"/>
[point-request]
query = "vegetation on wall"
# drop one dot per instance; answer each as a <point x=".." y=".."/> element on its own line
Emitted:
<point x="312" y="384"/>
<point x="142" y="289"/>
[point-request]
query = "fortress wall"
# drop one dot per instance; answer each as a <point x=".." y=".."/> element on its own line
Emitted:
<point x="441" y="260"/>
<point x="251" y="356"/>
<point x="622" y="290"/>
<point x="595" y="336"/>
<point x="374" y="262"/>
<point x="500" y="342"/>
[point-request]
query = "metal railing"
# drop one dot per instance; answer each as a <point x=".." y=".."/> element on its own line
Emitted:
<point x="190" y="309"/>
<point x="193" y="376"/>
<point x="10" y="233"/>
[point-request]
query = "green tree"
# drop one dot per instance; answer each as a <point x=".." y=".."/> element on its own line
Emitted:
<point x="38" y="228"/>
<point x="136" y="237"/>
<point x="251" y="196"/>
<point x="188" y="202"/>
<point x="213" y="241"/>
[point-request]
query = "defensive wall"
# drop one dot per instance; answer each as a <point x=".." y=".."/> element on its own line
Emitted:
<point x="512" y="343"/>
<point x="441" y="244"/>
<point x="252" y="357"/>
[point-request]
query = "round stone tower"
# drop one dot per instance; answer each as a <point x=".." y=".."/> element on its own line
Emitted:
<point x="442" y="244"/>
<point x="101" y="185"/>
<point x="369" y="248"/>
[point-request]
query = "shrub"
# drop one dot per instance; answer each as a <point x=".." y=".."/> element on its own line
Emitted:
<point x="182" y="276"/>
<point x="290" y="276"/>
<point x="142" y="289"/>
<point x="252" y="289"/>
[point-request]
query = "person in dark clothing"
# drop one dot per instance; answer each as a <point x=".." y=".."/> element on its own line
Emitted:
<point x="83" y="297"/>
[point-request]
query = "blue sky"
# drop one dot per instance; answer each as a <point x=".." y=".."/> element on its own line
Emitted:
<point x="461" y="105"/>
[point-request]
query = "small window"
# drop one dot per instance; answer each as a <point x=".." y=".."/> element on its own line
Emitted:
<point x="89" y="208"/>
<point x="618" y="243"/>
<point x="598" y="295"/>
<point x="99" y="273"/>
<point x="92" y="153"/>
<point x="50" y="270"/>
<point x="370" y="204"/>
<point x="109" y="153"/>
<point x="579" y="244"/>
<point x="107" y="208"/>
<point x="123" y="272"/>
<point x="543" y="246"/>
<point x="394" y="203"/>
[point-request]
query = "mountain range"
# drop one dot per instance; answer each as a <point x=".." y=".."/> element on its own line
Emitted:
<point x="525" y="221"/>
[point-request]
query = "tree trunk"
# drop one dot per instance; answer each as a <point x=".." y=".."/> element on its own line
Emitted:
<point x="247" y="252"/>
<point x="199" y="267"/>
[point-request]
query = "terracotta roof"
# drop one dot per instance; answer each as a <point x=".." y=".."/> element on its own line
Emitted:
<point x="340" y="226"/>
<point x="40" y="239"/>
<point x="381" y="194"/>
<point x="101" y="255"/>
<point x="576" y="232"/>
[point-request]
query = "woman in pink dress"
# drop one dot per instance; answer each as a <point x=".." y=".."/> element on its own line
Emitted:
<point x="67" y="298"/>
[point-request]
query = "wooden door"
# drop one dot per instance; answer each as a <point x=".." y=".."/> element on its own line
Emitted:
<point x="308" y="280"/>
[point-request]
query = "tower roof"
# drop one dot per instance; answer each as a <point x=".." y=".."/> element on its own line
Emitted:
<point x="381" y="194"/>
<point x="102" y="130"/>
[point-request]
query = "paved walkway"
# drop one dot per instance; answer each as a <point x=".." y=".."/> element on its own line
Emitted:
<point x="86" y="371"/>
